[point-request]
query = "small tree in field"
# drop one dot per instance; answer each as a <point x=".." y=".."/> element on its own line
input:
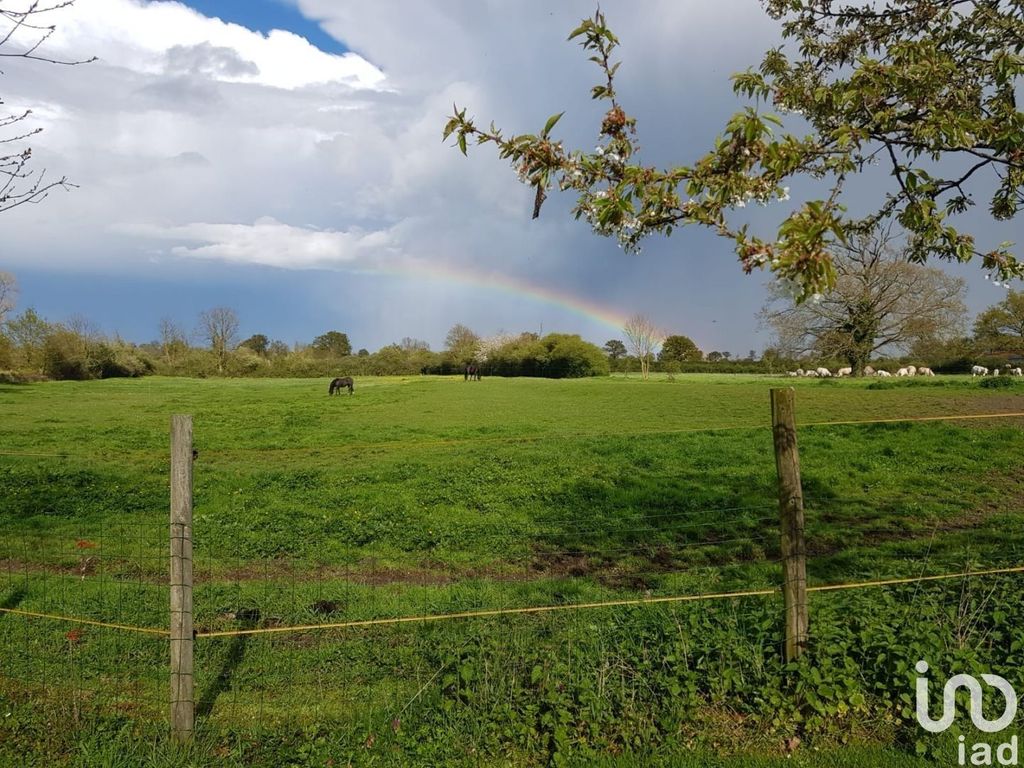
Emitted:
<point x="679" y="349"/>
<point x="29" y="333"/>
<point x="173" y="340"/>
<point x="643" y="338"/>
<point x="219" y="327"/>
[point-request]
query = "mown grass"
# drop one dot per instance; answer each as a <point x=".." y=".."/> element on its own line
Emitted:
<point x="430" y="495"/>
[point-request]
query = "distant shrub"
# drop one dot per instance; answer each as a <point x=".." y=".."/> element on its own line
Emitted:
<point x="556" y="356"/>
<point x="997" y="382"/>
<point x="117" y="360"/>
<point x="66" y="355"/>
<point x="6" y="353"/>
<point x="244" y="361"/>
<point x="197" y="362"/>
<point x="670" y="367"/>
<point x="771" y="366"/>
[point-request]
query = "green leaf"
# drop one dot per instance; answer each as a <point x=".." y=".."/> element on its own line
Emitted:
<point x="551" y="124"/>
<point x="579" y="30"/>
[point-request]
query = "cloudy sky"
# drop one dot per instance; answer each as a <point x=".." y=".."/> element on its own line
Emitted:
<point x="284" y="158"/>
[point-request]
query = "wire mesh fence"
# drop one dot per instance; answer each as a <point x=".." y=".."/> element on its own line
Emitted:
<point x="618" y="612"/>
<point x="83" y="612"/>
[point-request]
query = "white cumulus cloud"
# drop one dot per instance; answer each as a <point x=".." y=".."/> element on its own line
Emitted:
<point x="163" y="37"/>
<point x="269" y="242"/>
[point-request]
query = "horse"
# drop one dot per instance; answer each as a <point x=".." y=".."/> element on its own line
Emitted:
<point x="340" y="383"/>
<point x="472" y="372"/>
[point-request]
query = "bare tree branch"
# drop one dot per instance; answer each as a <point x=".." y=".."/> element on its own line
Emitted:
<point x="20" y="184"/>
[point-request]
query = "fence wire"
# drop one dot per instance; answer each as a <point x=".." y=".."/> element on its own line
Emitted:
<point x="83" y="611"/>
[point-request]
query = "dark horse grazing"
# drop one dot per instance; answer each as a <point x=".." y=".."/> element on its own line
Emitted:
<point x="472" y="372"/>
<point x="340" y="383"/>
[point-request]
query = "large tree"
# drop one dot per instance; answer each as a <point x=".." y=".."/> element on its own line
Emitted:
<point x="643" y="337"/>
<point x="24" y="28"/>
<point x="1002" y="326"/>
<point x="882" y="300"/>
<point x="462" y="343"/>
<point x="679" y="349"/>
<point x="333" y="343"/>
<point x="925" y="87"/>
<point x="219" y="327"/>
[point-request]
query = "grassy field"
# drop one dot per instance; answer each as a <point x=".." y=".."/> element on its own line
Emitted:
<point x="432" y="495"/>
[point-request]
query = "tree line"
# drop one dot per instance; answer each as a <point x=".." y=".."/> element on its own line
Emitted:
<point x="884" y="307"/>
<point x="32" y="346"/>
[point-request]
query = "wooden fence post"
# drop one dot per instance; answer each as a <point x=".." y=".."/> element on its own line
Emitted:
<point x="791" y="519"/>
<point x="182" y="683"/>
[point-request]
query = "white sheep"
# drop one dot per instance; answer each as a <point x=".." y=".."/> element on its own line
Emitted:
<point x="824" y="373"/>
<point x="911" y="370"/>
<point x="922" y="371"/>
<point x="799" y="371"/>
<point x="903" y="372"/>
<point x="995" y="372"/>
<point x="844" y="372"/>
<point x="793" y="374"/>
<point x="811" y="374"/>
<point x="869" y="371"/>
<point x="884" y="374"/>
<point x="1017" y="372"/>
<point x="979" y="370"/>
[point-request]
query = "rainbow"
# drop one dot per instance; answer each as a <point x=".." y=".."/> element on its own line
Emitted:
<point x="512" y="286"/>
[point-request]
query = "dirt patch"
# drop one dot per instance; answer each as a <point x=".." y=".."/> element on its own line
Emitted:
<point x="639" y="574"/>
<point x="367" y="572"/>
<point x="87" y="565"/>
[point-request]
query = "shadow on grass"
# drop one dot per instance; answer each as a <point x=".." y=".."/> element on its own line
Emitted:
<point x="222" y="682"/>
<point x="13" y="600"/>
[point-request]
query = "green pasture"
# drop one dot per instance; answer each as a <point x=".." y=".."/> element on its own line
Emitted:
<point x="430" y="495"/>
